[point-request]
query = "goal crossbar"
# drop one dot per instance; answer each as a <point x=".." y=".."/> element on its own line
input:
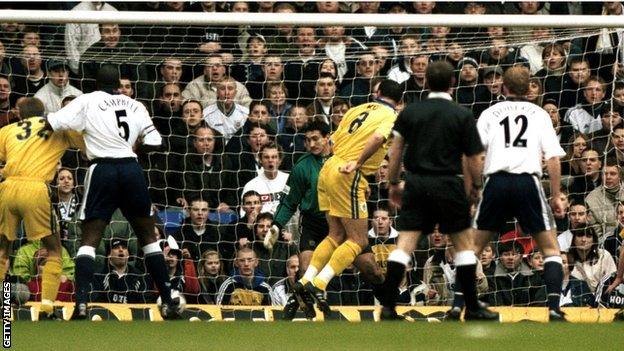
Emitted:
<point x="380" y="20"/>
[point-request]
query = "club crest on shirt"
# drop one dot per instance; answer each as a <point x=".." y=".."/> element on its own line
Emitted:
<point x="363" y="207"/>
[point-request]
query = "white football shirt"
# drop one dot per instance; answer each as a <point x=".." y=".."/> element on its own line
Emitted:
<point x="516" y="135"/>
<point x="111" y="124"/>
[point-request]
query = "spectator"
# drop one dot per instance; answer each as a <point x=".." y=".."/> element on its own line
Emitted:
<point x="533" y="52"/>
<point x="170" y="72"/>
<point x="118" y="281"/>
<point x="292" y="138"/>
<point x="204" y="88"/>
<point x="7" y="115"/>
<point x="283" y="288"/>
<point x="65" y="200"/>
<point x="30" y="36"/>
<point x="243" y="230"/>
<point x="585" y="117"/>
<point x="197" y="174"/>
<point x="242" y="167"/>
<point x="58" y="86"/>
<point x="513" y="283"/>
<point x="126" y="87"/>
<point x="468" y="90"/>
<point x="575" y="292"/>
<point x="571" y="163"/>
<point x="272" y="261"/>
<point x="564" y="130"/>
<point x="302" y="71"/>
<point x="115" y="48"/>
<point x="258" y="114"/>
<point x="553" y="71"/>
<point x="182" y="273"/>
<point x="574" y="82"/>
<point x="382" y="236"/>
<point x="493" y="81"/>
<point x="591" y="264"/>
<point x="591" y="167"/>
<point x="488" y="261"/>
<point x="535" y="94"/>
<point x="613" y="242"/>
<point x="339" y="108"/>
<point x="321" y="108"/>
<point x="225" y="115"/>
<point x="414" y="87"/>
<point x="25" y="264"/>
<point x="29" y="76"/>
<point x="601" y="201"/>
<point x="357" y="89"/>
<point x="535" y="260"/>
<point x="271" y="182"/>
<point x="5" y="63"/>
<point x="79" y="37"/>
<point x="577" y="215"/>
<point x="210" y="275"/>
<point x="197" y="234"/>
<point x="283" y="41"/>
<point x="272" y="72"/>
<point x="408" y="48"/>
<point x="610" y="118"/>
<point x="250" y="70"/>
<point x="66" y="287"/>
<point x="246" y="286"/>
<point x="499" y="53"/>
<point x="277" y="95"/>
<point x="337" y="46"/>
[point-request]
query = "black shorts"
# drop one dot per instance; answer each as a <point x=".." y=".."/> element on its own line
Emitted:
<point x="434" y="199"/>
<point x="507" y="195"/>
<point x="115" y="183"/>
<point x="313" y="231"/>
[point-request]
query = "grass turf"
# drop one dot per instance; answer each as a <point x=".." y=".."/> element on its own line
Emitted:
<point x="183" y="335"/>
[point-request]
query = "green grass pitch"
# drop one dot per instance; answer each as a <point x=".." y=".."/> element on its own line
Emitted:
<point x="274" y="336"/>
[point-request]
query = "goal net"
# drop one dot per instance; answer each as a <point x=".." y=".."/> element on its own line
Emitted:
<point x="228" y="97"/>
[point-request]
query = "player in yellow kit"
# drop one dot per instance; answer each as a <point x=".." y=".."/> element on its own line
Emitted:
<point x="359" y="145"/>
<point x="31" y="153"/>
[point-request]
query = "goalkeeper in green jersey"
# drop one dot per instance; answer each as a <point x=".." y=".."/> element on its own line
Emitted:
<point x="300" y="192"/>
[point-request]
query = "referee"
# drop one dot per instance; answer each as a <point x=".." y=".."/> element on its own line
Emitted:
<point x="434" y="135"/>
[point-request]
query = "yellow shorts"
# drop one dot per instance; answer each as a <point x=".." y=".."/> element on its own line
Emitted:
<point x="343" y="195"/>
<point x="27" y="200"/>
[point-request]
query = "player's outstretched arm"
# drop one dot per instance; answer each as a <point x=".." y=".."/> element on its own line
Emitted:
<point x="374" y="142"/>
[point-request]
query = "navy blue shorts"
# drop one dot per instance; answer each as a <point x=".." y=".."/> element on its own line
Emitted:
<point x="434" y="199"/>
<point x="507" y="196"/>
<point x="115" y="183"/>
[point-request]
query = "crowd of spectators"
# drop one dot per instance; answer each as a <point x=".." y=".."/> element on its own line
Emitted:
<point x="232" y="104"/>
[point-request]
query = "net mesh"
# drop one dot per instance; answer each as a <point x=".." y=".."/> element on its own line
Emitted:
<point x="284" y="69"/>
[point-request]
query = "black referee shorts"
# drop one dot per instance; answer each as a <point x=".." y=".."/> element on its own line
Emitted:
<point x="434" y="199"/>
<point x="507" y="195"/>
<point x="115" y="183"/>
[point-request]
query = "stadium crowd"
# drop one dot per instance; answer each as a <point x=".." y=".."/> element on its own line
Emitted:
<point x="234" y="106"/>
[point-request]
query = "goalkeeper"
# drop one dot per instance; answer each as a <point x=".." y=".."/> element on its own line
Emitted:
<point x="301" y="192"/>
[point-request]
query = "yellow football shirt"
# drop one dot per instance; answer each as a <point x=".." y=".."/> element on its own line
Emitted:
<point x="33" y="152"/>
<point x="357" y="125"/>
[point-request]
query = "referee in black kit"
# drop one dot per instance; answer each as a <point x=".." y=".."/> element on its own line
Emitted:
<point x="434" y="135"/>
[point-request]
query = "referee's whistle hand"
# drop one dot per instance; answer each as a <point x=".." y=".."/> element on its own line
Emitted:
<point x="348" y="167"/>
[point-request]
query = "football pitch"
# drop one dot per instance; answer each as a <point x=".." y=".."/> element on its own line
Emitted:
<point x="184" y="335"/>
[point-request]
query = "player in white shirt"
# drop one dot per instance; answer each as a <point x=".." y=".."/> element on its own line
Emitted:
<point x="516" y="135"/>
<point x="112" y="123"/>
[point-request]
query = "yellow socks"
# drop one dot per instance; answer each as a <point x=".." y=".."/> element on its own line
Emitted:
<point x="320" y="257"/>
<point x="50" y="280"/>
<point x="344" y="255"/>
